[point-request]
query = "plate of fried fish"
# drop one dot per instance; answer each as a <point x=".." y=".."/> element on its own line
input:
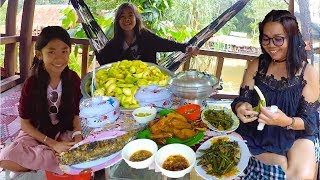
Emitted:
<point x="95" y="150"/>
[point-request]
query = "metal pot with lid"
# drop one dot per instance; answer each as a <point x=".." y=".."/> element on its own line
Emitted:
<point x="193" y="86"/>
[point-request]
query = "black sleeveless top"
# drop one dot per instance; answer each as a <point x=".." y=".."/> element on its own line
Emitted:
<point x="287" y="95"/>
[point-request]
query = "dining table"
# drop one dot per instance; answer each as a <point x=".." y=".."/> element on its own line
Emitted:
<point x="119" y="168"/>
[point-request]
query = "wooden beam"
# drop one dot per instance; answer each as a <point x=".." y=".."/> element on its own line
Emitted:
<point x="291" y="6"/>
<point x="82" y="41"/>
<point x="224" y="96"/>
<point x="9" y="39"/>
<point x="84" y="60"/>
<point x="219" y="66"/>
<point x="26" y="38"/>
<point x="227" y="54"/>
<point x="186" y="64"/>
<point x="9" y="82"/>
<point x="10" y="55"/>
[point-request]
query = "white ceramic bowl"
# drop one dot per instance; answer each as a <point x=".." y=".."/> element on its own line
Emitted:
<point x="136" y="145"/>
<point x="175" y="149"/>
<point x="144" y="119"/>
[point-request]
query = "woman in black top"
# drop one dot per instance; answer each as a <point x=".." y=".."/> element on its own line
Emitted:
<point x="132" y="41"/>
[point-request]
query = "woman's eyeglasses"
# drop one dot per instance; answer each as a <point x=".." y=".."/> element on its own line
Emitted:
<point x="53" y="97"/>
<point x="277" y="41"/>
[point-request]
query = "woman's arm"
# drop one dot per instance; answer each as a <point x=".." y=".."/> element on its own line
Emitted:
<point x="111" y="52"/>
<point x="242" y="104"/>
<point x="160" y="44"/>
<point x="77" y="128"/>
<point x="308" y="102"/>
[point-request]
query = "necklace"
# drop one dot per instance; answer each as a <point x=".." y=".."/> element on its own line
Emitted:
<point x="275" y="61"/>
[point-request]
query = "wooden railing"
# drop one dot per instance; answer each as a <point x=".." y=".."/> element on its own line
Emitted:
<point x="14" y="76"/>
<point x="221" y="56"/>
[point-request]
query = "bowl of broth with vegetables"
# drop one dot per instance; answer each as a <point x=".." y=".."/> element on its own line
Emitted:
<point x="175" y="160"/>
<point x="139" y="153"/>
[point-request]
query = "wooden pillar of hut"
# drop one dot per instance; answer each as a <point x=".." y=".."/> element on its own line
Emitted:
<point x="26" y="38"/>
<point x="291" y="6"/>
<point x="10" y="57"/>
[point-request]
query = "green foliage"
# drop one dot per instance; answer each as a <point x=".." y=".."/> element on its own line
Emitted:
<point x="3" y="13"/>
<point x="74" y="64"/>
<point x="256" y="11"/>
<point x="2" y="48"/>
<point x="152" y="11"/>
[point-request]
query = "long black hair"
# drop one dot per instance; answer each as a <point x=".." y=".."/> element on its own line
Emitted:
<point x="296" y="46"/>
<point x="118" y="32"/>
<point x="40" y="113"/>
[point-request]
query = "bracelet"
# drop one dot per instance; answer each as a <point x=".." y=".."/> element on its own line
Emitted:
<point x="292" y="123"/>
<point x="75" y="133"/>
<point x="45" y="138"/>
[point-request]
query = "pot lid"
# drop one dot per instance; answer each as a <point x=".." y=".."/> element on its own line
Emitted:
<point x="193" y="79"/>
<point x="152" y="93"/>
<point x="97" y="106"/>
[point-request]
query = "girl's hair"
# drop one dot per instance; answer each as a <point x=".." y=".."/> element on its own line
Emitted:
<point x="296" y="46"/>
<point x="40" y="105"/>
<point x="118" y="32"/>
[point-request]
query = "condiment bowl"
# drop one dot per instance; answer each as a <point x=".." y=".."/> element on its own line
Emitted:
<point x="191" y="111"/>
<point x="175" y="149"/>
<point x="144" y="114"/>
<point x="137" y="145"/>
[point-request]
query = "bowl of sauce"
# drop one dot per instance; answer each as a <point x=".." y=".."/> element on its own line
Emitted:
<point x="145" y="114"/>
<point x="139" y="153"/>
<point x="175" y="160"/>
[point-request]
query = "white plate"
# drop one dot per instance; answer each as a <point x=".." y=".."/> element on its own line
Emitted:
<point x="244" y="157"/>
<point x="228" y="111"/>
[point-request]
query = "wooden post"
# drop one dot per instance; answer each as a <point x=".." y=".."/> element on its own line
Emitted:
<point x="219" y="66"/>
<point x="26" y="38"/>
<point x="186" y="65"/>
<point x="10" y="56"/>
<point x="291" y="6"/>
<point x="84" y="60"/>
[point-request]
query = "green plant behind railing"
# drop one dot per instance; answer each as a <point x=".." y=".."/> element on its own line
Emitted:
<point x="75" y="63"/>
<point x="2" y="48"/>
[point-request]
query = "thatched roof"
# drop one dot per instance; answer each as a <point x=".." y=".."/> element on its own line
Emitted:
<point x="44" y="15"/>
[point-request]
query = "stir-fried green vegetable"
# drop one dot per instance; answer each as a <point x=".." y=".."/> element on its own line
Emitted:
<point x="220" y="158"/>
<point x="219" y="119"/>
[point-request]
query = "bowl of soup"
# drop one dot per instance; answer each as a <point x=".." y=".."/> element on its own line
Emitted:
<point x="175" y="160"/>
<point x="139" y="153"/>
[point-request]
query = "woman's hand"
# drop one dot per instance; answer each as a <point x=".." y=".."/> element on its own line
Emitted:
<point x="78" y="138"/>
<point x="245" y="113"/>
<point x="273" y="118"/>
<point x="62" y="146"/>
